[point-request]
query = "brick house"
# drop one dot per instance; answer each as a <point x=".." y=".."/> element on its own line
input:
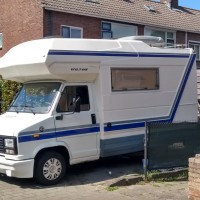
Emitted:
<point x="22" y="20"/>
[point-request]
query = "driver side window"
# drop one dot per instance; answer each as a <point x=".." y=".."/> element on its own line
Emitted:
<point x="69" y="95"/>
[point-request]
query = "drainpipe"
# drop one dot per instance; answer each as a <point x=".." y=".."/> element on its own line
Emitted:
<point x="186" y="39"/>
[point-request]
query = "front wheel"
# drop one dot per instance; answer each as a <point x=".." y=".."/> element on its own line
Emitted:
<point x="50" y="168"/>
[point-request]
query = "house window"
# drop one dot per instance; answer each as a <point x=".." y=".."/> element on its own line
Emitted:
<point x="134" y="79"/>
<point x="167" y="36"/>
<point x="71" y="32"/>
<point x="111" y="30"/>
<point x="196" y="47"/>
<point x="1" y="40"/>
<point x="69" y="95"/>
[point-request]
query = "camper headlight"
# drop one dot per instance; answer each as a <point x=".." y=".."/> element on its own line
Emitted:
<point x="10" y="146"/>
<point x="9" y="143"/>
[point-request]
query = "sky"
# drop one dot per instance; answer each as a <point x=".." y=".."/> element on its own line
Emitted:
<point x="190" y="4"/>
<point x="195" y="4"/>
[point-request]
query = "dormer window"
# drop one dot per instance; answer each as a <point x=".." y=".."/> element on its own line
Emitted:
<point x="150" y="8"/>
<point x="93" y="1"/>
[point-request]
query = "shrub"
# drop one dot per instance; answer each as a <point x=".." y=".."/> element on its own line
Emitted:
<point x="8" y="90"/>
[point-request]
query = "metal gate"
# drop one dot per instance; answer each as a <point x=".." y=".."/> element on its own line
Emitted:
<point x="169" y="145"/>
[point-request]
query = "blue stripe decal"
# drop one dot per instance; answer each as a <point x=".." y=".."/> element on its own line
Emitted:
<point x="63" y="133"/>
<point x="77" y="131"/>
<point x="124" y="126"/>
<point x="119" y="54"/>
<point x="42" y="136"/>
<point x="182" y="87"/>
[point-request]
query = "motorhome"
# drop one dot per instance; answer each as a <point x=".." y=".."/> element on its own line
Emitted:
<point x="84" y="99"/>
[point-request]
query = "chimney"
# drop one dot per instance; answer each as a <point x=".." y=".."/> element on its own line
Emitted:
<point x="170" y="3"/>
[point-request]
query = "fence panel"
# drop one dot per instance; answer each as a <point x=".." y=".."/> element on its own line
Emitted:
<point x="170" y="145"/>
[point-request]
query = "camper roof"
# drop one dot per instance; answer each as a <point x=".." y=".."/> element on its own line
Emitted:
<point x="55" y="58"/>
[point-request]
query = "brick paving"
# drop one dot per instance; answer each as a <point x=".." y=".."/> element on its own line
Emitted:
<point x="90" y="181"/>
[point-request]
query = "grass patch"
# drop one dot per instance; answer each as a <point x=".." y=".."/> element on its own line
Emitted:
<point x="167" y="176"/>
<point x="112" y="188"/>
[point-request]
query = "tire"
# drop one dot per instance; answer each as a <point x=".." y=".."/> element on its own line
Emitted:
<point x="50" y="168"/>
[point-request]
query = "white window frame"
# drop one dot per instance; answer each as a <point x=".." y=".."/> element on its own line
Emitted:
<point x="163" y="30"/>
<point x="71" y="27"/>
<point x="196" y="43"/>
<point x="1" y="38"/>
<point x="109" y="31"/>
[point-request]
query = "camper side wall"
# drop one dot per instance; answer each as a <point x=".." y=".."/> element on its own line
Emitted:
<point x="139" y="90"/>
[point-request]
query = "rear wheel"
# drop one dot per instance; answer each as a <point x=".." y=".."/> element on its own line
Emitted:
<point x="50" y="168"/>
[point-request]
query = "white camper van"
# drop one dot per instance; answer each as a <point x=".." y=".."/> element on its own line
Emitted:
<point x="83" y="99"/>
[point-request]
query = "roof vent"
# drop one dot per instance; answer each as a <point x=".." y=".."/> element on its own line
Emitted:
<point x="93" y="1"/>
<point x="150" y="8"/>
<point x="150" y="40"/>
<point x="129" y="1"/>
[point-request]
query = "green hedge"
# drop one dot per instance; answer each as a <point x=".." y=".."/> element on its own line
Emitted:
<point x="8" y="90"/>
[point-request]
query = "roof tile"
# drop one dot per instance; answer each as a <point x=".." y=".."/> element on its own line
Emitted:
<point x="134" y="11"/>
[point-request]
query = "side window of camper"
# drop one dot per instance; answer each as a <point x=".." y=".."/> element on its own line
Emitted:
<point x="134" y="79"/>
<point x="69" y="95"/>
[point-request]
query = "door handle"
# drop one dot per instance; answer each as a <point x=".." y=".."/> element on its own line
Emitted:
<point x="59" y="117"/>
<point x="93" y="117"/>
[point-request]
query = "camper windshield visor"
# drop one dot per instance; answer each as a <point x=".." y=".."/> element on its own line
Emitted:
<point x="35" y="97"/>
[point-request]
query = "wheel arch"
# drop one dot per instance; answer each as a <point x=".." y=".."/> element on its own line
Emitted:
<point x="60" y="149"/>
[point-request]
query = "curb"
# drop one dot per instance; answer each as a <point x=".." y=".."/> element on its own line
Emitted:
<point x="126" y="181"/>
<point x="174" y="175"/>
<point x="166" y="175"/>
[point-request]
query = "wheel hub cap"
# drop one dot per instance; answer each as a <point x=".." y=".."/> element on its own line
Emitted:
<point x="52" y="169"/>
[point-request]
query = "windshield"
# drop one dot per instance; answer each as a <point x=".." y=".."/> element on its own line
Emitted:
<point x="35" y="97"/>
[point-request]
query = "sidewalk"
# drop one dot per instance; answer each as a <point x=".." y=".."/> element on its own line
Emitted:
<point x="94" y="181"/>
<point x="26" y="189"/>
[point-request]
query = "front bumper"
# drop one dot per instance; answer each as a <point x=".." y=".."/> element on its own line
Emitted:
<point x="17" y="168"/>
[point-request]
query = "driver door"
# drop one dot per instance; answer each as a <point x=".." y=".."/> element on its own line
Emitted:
<point x="78" y="130"/>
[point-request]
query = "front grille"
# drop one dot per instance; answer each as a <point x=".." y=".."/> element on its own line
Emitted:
<point x="1" y="145"/>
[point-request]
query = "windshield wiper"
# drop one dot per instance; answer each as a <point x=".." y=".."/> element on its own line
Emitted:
<point x="22" y="106"/>
<point x="30" y="108"/>
<point x="15" y="107"/>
